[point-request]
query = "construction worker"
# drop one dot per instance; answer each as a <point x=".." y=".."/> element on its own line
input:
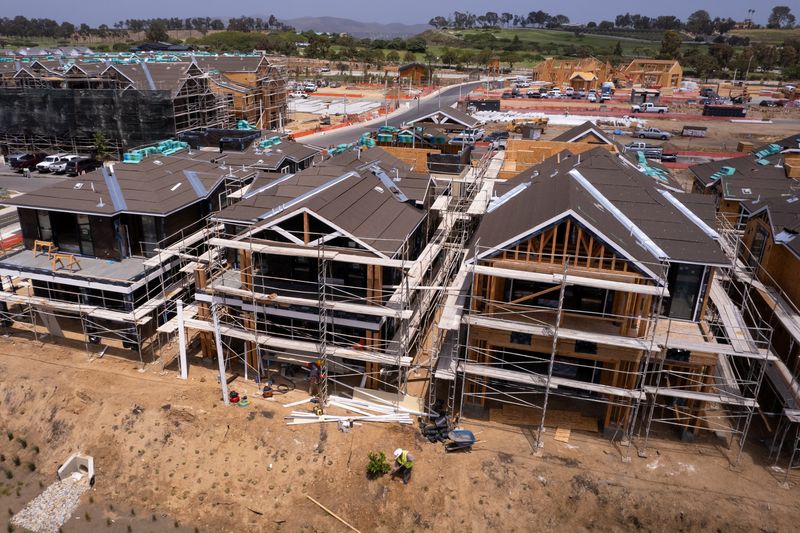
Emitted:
<point x="313" y="379"/>
<point x="405" y="462"/>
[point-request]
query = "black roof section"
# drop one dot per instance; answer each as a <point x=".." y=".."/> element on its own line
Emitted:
<point x="370" y="196"/>
<point x="624" y="207"/>
<point x="756" y="165"/>
<point x="159" y="185"/>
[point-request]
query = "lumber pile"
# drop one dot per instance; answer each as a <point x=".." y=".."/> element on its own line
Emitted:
<point x="363" y="411"/>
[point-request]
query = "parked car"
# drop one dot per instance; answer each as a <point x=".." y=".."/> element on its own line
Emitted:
<point x="770" y="102"/>
<point x="310" y="87"/>
<point x="496" y="135"/>
<point x="649" y="107"/>
<point x="651" y="133"/>
<point x="592" y="97"/>
<point x="507" y="94"/>
<point x="581" y="94"/>
<point x="28" y="161"/>
<point x="80" y="166"/>
<point x="462" y="140"/>
<point x="325" y="69"/>
<point x="61" y="166"/>
<point x="45" y="165"/>
<point x="569" y="91"/>
<point x="650" y="152"/>
<point x="476" y="133"/>
<point x="298" y="94"/>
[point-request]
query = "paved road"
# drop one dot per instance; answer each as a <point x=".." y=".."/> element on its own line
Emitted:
<point x="346" y="135"/>
<point x="18" y="182"/>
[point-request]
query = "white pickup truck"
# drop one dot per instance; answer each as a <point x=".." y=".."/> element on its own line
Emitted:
<point x="649" y="107"/>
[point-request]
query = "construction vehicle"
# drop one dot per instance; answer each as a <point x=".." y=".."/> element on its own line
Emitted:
<point x="515" y="126"/>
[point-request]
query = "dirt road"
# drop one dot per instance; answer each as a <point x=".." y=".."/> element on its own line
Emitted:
<point x="167" y="448"/>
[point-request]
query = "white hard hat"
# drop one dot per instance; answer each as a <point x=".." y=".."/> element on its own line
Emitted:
<point x="397" y="452"/>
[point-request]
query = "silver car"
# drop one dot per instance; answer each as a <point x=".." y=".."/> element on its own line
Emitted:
<point x="651" y="133"/>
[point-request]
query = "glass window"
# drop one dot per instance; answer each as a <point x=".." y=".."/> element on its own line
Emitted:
<point x="87" y="246"/>
<point x="66" y="232"/>
<point x="757" y="246"/>
<point x="45" y="230"/>
<point x="685" y="284"/>
<point x="149" y="235"/>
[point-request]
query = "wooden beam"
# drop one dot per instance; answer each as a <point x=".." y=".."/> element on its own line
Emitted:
<point x="536" y="294"/>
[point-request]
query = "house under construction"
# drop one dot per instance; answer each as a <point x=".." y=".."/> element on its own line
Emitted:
<point x="326" y="264"/>
<point x="52" y="105"/>
<point x="594" y="297"/>
<point x="105" y="257"/>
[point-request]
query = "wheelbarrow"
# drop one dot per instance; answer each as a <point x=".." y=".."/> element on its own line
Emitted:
<point x="460" y="439"/>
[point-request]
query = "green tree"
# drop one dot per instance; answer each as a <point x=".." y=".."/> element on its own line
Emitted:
<point x="409" y="57"/>
<point x="484" y="56"/>
<point x="156" y="32"/>
<point x="671" y="45"/>
<point x="511" y="58"/>
<point x="699" y="22"/>
<point x="448" y="56"/>
<point x="617" y="49"/>
<point x="704" y="65"/>
<point x="781" y="17"/>
<point x="393" y="56"/>
<point x="101" y="150"/>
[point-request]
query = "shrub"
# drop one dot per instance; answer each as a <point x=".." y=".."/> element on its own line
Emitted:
<point x="378" y="465"/>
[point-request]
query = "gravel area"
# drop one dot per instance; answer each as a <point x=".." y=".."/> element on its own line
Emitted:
<point x="47" y="512"/>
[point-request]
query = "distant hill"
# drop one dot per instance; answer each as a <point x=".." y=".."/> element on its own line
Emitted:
<point x="354" y="27"/>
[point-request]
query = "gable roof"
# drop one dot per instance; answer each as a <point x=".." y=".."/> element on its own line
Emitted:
<point x="147" y="76"/>
<point x="159" y="185"/>
<point x="443" y="114"/>
<point x="241" y="63"/>
<point x="622" y="206"/>
<point x="578" y="133"/>
<point x="783" y="213"/>
<point x="756" y="165"/>
<point x="374" y="198"/>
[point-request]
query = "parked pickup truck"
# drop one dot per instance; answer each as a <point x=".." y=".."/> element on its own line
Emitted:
<point x="649" y="107"/>
<point x="651" y="133"/>
<point x="650" y="152"/>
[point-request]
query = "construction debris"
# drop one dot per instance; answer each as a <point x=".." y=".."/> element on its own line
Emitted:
<point x="51" y="509"/>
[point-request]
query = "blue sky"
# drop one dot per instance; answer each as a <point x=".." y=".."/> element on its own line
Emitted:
<point x="406" y="11"/>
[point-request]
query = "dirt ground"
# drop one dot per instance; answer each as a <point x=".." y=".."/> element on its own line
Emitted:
<point x="169" y="456"/>
<point x="721" y="136"/>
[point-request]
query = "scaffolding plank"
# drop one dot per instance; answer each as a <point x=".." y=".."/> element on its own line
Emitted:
<point x="584" y="281"/>
<point x="701" y="396"/>
<point x="329" y="255"/>
<point x="303" y="346"/>
<point x="732" y="320"/>
<point x="563" y="333"/>
<point x="712" y="348"/>
<point x="538" y="380"/>
<point x="784" y="383"/>
<point x="371" y="310"/>
<point x="89" y="310"/>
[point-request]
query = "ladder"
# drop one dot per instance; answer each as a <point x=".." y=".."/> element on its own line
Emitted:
<point x="322" y="290"/>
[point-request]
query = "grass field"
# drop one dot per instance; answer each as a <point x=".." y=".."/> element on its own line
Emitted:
<point x="555" y="42"/>
<point x="768" y="36"/>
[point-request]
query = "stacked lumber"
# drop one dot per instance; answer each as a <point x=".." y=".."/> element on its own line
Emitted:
<point x="365" y="411"/>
